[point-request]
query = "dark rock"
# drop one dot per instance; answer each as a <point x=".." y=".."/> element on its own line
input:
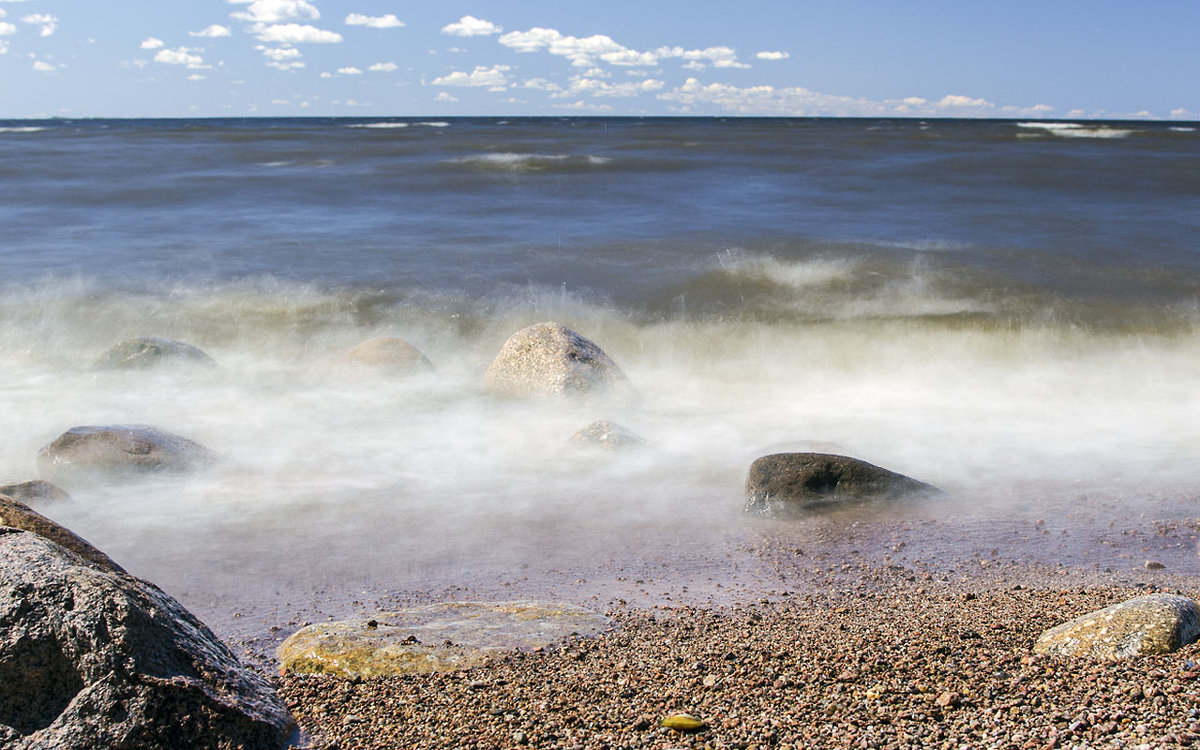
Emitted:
<point x="17" y="515"/>
<point x="151" y="351"/>
<point x="92" y="658"/>
<point x="603" y="434"/>
<point x="785" y="483"/>
<point x="120" y="449"/>
<point x="549" y="359"/>
<point x="34" y="491"/>
<point x="385" y="353"/>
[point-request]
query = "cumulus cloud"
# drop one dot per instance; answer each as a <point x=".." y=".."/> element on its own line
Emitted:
<point x="47" y="22"/>
<point x="211" y="32"/>
<point x="581" y="85"/>
<point x="294" y="33"/>
<point x="767" y="55"/>
<point x="152" y="43"/>
<point x="960" y="101"/>
<point x="586" y="52"/>
<point x="44" y="67"/>
<point x="278" y="11"/>
<point x="375" y="22"/>
<point x="7" y="28"/>
<point x="383" y="67"/>
<point x="493" y="77"/>
<point x="445" y="96"/>
<point x="279" y="54"/>
<point x="471" y="26"/>
<point x="350" y="71"/>
<point x="180" y="56"/>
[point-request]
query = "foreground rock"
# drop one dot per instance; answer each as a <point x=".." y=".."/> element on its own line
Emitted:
<point x="604" y="434"/>
<point x="386" y="353"/>
<point x="1152" y="624"/>
<point x="151" y="351"/>
<point x="434" y="638"/>
<point x="788" y="483"/>
<point x="549" y="359"/>
<point x="91" y="658"/>
<point x="120" y="450"/>
<point x="34" y="491"/>
<point x="15" y="514"/>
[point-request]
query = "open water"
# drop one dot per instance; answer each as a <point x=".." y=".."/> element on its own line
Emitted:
<point x="1009" y="310"/>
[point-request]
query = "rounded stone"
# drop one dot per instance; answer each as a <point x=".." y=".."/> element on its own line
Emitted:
<point x="120" y="450"/>
<point x="1151" y="624"/>
<point x="788" y="483"/>
<point x="385" y="353"/>
<point x="151" y="351"/>
<point x="549" y="359"/>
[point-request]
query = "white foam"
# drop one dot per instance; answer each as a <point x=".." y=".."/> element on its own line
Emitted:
<point x="434" y="124"/>
<point x="380" y="125"/>
<point x="1181" y="129"/>
<point x="1077" y="130"/>
<point x="23" y="129"/>
<point x="522" y="162"/>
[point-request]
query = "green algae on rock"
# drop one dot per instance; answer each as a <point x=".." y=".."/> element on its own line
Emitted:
<point x="433" y="638"/>
<point x="1151" y="624"/>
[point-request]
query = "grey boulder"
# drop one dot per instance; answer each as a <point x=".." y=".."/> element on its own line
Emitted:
<point x="17" y="515"/>
<point x="120" y="450"/>
<point x="151" y="351"/>
<point x="549" y="359"/>
<point x="790" y="483"/>
<point x="385" y="353"/>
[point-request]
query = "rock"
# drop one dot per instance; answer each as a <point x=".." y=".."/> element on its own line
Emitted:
<point x="604" y="434"/>
<point x="549" y="359"/>
<point x="34" y="491"/>
<point x="1151" y="624"/>
<point x="17" y="515"/>
<point x="151" y="351"/>
<point x="385" y="353"/>
<point x="120" y="449"/>
<point x="785" y="483"/>
<point x="433" y="638"/>
<point x="93" y="658"/>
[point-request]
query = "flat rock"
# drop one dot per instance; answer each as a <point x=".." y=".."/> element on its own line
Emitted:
<point x="604" y="434"/>
<point x="385" y="353"/>
<point x="1151" y="624"/>
<point x="34" y="491"/>
<point x="549" y="359"/>
<point x="17" y="515"/>
<point x="788" y="483"/>
<point x="120" y="450"/>
<point x="433" y="638"/>
<point x="151" y="351"/>
<point x="93" y="658"/>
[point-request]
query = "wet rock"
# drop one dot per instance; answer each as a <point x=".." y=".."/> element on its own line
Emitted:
<point x="17" y="515"/>
<point x="603" y="434"/>
<point x="785" y="483"/>
<point x="120" y="450"/>
<point x="385" y="353"/>
<point x="151" y="351"/>
<point x="34" y="491"/>
<point x="1151" y="624"/>
<point x="94" y="658"/>
<point x="433" y="638"/>
<point x="549" y="359"/>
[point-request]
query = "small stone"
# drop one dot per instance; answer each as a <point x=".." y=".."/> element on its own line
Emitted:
<point x="947" y="699"/>
<point x="683" y="723"/>
<point x="709" y="680"/>
<point x="1154" y="565"/>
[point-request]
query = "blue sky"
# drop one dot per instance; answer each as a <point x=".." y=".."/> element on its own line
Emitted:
<point x="171" y="58"/>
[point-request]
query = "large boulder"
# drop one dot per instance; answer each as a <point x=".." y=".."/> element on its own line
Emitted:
<point x="433" y="638"/>
<point x="120" y="450"/>
<point x="151" y="351"/>
<point x="34" y="491"/>
<point x="93" y="658"/>
<point x="385" y="353"/>
<point x="549" y="359"/>
<point x="17" y="515"/>
<point x="1151" y="624"/>
<point x="789" y="483"/>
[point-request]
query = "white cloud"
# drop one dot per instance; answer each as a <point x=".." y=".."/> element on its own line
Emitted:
<point x="181" y="56"/>
<point x="375" y="22"/>
<point x="47" y="22"/>
<point x="493" y="77"/>
<point x="278" y="11"/>
<point x="44" y="67"/>
<point x="595" y="87"/>
<point x="350" y="71"/>
<point x="958" y="101"/>
<point x="7" y="28"/>
<point x="152" y="43"/>
<point x="294" y="33"/>
<point x="445" y="96"/>
<point x="1183" y="114"/>
<point x="385" y="67"/>
<point x="586" y="52"/>
<point x="279" y="54"/>
<point x="766" y="55"/>
<point x="582" y="106"/>
<point x="196" y="77"/>
<point x="286" y="66"/>
<point x="471" y="26"/>
<point x="211" y="32"/>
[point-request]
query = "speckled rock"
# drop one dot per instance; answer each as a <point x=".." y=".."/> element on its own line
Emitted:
<point x="549" y="359"/>
<point x="151" y="351"/>
<point x="92" y="658"/>
<point x="604" y="434"/>
<point x="119" y="450"/>
<point x="788" y="483"/>
<point x="434" y="638"/>
<point x="17" y="515"/>
<point x="1151" y="624"/>
<point x="386" y="353"/>
<point x="34" y="491"/>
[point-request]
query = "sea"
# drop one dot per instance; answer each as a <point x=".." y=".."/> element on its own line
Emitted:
<point x="1009" y="310"/>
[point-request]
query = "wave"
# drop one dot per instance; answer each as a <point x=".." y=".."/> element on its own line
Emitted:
<point x="512" y="162"/>
<point x="23" y="129"/>
<point x="1077" y="130"/>
<point x="379" y="125"/>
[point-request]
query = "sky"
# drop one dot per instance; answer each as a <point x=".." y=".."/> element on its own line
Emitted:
<point x="1045" y="59"/>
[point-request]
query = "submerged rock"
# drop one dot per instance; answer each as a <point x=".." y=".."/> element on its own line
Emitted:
<point x="1151" y="624"/>
<point x="433" y="638"/>
<point x="17" y="515"/>
<point x="603" y="434"/>
<point x="784" y="483"/>
<point x="549" y="359"/>
<point x="33" y="491"/>
<point x="93" y="658"/>
<point x="120" y="449"/>
<point x="151" y="351"/>
<point x="385" y="353"/>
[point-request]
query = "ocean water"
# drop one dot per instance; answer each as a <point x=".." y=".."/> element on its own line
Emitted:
<point x="1008" y="310"/>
